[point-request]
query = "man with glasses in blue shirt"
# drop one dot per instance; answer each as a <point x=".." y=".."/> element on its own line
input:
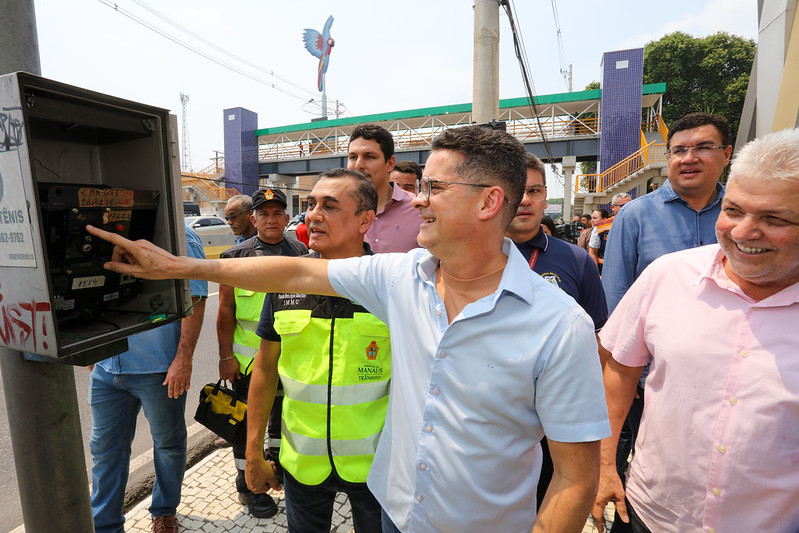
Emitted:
<point x="679" y="215"/>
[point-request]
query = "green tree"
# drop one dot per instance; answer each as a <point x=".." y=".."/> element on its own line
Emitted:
<point x="707" y="74"/>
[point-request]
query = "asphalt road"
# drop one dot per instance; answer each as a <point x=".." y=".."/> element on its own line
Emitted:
<point x="205" y="370"/>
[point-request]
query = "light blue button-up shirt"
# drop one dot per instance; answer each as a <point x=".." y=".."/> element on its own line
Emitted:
<point x="471" y="400"/>
<point x="656" y="224"/>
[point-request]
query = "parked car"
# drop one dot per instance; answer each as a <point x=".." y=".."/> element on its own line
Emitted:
<point x="214" y="232"/>
<point x="191" y="209"/>
<point x="291" y="227"/>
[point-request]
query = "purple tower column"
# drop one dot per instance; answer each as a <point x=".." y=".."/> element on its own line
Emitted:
<point x="622" y="82"/>
<point x="241" y="150"/>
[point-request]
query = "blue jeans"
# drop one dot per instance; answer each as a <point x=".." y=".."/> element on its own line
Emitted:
<point x="309" y="508"/>
<point x="116" y="400"/>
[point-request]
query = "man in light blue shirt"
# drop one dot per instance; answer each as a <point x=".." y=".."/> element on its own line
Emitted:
<point x="487" y="357"/>
<point x="152" y="375"/>
<point x="681" y="214"/>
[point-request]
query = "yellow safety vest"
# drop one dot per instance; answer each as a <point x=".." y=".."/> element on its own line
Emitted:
<point x="335" y="373"/>
<point x="245" y="340"/>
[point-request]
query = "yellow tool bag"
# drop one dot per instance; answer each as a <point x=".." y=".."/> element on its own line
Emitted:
<point x="222" y="411"/>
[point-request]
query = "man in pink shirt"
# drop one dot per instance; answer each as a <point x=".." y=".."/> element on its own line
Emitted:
<point x="718" y="448"/>
<point x="396" y="225"/>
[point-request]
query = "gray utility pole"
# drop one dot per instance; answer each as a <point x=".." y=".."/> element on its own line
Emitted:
<point x="485" y="81"/>
<point x="40" y="397"/>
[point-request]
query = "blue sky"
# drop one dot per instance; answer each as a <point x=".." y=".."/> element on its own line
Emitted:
<point x="389" y="55"/>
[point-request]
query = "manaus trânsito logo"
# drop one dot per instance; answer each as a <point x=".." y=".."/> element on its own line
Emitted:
<point x="553" y="278"/>
<point x="371" y="371"/>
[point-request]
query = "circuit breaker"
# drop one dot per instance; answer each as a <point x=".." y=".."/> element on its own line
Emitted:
<point x="71" y="157"/>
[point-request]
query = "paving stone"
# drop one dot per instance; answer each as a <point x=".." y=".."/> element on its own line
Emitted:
<point x="209" y="505"/>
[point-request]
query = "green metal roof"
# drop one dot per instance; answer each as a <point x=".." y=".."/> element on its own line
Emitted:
<point x="546" y="99"/>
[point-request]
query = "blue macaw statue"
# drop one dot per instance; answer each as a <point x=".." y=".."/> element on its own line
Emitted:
<point x="320" y="45"/>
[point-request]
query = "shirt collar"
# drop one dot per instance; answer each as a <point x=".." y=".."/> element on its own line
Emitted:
<point x="667" y="194"/>
<point x="714" y="271"/>
<point x="515" y="277"/>
<point x="541" y="240"/>
<point x="367" y="250"/>
<point x="397" y="194"/>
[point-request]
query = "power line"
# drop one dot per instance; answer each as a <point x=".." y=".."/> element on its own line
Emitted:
<point x="521" y="56"/>
<point x="219" y="48"/>
<point x="198" y="51"/>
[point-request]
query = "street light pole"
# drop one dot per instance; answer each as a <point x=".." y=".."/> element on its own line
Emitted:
<point x="485" y="74"/>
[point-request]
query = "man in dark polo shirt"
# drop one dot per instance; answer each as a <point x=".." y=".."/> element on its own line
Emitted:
<point x="562" y="264"/>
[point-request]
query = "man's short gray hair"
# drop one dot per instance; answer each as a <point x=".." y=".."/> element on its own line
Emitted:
<point x="244" y="199"/>
<point x="773" y="156"/>
<point x="618" y="196"/>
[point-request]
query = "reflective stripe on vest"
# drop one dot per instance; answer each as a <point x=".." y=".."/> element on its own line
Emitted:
<point x="338" y="415"/>
<point x="318" y="447"/>
<point x="245" y="341"/>
<point x="339" y="395"/>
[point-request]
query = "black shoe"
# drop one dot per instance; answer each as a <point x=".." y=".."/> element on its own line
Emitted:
<point x="258" y="505"/>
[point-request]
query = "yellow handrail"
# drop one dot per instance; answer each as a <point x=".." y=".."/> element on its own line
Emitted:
<point x="211" y="188"/>
<point x="651" y="153"/>
<point x="662" y="128"/>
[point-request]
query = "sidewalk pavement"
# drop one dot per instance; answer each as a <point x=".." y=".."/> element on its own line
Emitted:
<point x="210" y="505"/>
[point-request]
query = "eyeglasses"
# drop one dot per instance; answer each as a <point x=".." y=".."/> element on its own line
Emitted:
<point x="424" y="184"/>
<point x="228" y="217"/>
<point x="703" y="150"/>
<point x="536" y="193"/>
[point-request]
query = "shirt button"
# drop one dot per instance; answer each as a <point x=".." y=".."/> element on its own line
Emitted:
<point x="722" y="448"/>
<point x="744" y="353"/>
<point x="716" y="492"/>
<point x="438" y="312"/>
<point x="420" y="499"/>
<point x="436" y="391"/>
<point x="443" y="355"/>
<point x="377" y="240"/>
<point x="733" y="401"/>
<point x="428" y="429"/>
<point x="423" y="467"/>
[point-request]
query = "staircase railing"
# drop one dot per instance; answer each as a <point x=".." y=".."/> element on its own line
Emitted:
<point x="597" y="183"/>
<point x="208" y="187"/>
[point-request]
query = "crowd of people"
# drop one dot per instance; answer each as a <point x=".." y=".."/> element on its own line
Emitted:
<point x="448" y="363"/>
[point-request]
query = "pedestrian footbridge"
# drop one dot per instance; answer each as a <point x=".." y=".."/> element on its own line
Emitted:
<point x="552" y="127"/>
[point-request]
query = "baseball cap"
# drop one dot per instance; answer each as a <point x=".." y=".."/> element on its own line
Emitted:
<point x="268" y="195"/>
